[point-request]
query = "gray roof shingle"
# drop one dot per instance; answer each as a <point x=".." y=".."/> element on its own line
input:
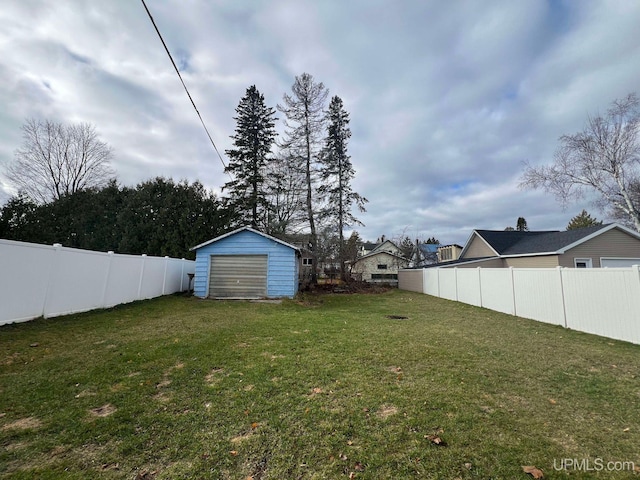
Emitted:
<point x="521" y="243"/>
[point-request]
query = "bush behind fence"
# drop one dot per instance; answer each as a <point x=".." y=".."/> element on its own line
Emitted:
<point x="41" y="280"/>
<point x="602" y="301"/>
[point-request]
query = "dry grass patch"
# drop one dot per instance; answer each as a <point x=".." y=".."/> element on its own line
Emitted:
<point x="28" y="423"/>
<point x="103" y="411"/>
<point x="385" y="411"/>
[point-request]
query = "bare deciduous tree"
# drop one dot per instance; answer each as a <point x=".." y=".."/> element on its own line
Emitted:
<point x="285" y="192"/>
<point x="604" y="159"/>
<point x="57" y="160"/>
<point x="305" y="120"/>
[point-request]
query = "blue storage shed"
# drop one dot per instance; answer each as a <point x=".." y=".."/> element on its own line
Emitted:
<point x="246" y="263"/>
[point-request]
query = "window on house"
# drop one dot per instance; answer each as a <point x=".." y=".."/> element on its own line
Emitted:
<point x="307" y="261"/>
<point x="583" y="263"/>
<point x="384" y="276"/>
<point x="382" y="266"/>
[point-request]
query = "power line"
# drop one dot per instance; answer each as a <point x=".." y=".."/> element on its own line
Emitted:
<point x="183" y="84"/>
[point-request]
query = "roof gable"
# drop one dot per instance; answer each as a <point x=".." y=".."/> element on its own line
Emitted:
<point x="243" y="229"/>
<point x="517" y="243"/>
<point x="386" y="246"/>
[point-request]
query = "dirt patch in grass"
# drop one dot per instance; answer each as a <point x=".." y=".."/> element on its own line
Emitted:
<point x="385" y="411"/>
<point x="214" y="376"/>
<point x="103" y="411"/>
<point x="23" y="424"/>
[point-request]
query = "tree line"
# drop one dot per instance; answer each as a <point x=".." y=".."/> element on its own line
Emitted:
<point x="157" y="217"/>
<point x="299" y="183"/>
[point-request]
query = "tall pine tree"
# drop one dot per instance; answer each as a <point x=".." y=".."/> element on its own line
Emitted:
<point x="254" y="136"/>
<point x="336" y="173"/>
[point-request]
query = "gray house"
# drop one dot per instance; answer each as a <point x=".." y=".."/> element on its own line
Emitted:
<point x="246" y="263"/>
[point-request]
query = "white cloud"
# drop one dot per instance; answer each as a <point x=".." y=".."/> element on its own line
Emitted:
<point x="446" y="99"/>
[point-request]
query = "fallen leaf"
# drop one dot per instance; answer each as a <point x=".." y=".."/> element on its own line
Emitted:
<point x="234" y="452"/>
<point x="254" y="425"/>
<point x="343" y="457"/>
<point x="317" y="390"/>
<point x="359" y="467"/>
<point x="468" y="466"/>
<point x="36" y="344"/>
<point x="352" y="475"/>
<point x="552" y="401"/>
<point x="533" y="471"/>
<point x="626" y="429"/>
<point x="350" y="442"/>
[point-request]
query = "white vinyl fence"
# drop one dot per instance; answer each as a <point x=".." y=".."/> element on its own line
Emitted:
<point x="41" y="280"/>
<point x="602" y="301"/>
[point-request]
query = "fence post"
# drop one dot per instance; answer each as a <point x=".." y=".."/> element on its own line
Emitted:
<point x="480" y="284"/>
<point x="513" y="292"/>
<point x="164" y="280"/>
<point x="144" y="259"/>
<point x="455" y="280"/>
<point x="182" y="260"/>
<point x="438" y="281"/>
<point x="106" y="280"/>
<point x="564" y="306"/>
<point x="424" y="280"/>
<point x="55" y="264"/>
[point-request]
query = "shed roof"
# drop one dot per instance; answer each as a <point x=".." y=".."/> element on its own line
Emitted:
<point x="242" y="229"/>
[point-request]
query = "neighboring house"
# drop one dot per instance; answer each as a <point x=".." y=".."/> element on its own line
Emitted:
<point x="246" y="263"/>
<point x="366" y="248"/>
<point x="448" y="253"/>
<point x="381" y="265"/>
<point x="610" y="245"/>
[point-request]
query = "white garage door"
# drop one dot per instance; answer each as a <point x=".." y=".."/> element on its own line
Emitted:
<point x="238" y="276"/>
<point x="618" y="262"/>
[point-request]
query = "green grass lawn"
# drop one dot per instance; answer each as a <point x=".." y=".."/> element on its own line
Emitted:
<point x="319" y="387"/>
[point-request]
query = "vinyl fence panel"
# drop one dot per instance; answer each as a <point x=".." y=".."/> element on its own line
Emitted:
<point x="152" y="277"/>
<point x="604" y="301"/>
<point x="468" y="284"/>
<point x="41" y="280"/>
<point x="124" y="279"/>
<point x="538" y="294"/>
<point x="77" y="281"/>
<point x="431" y="281"/>
<point x="25" y="270"/>
<point x="448" y="283"/>
<point x="497" y="289"/>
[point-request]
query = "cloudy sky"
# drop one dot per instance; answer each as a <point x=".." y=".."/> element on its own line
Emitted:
<point x="447" y="98"/>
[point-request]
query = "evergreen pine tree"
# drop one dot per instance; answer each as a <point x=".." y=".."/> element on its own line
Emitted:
<point x="336" y="174"/>
<point x="254" y="136"/>
<point x="583" y="219"/>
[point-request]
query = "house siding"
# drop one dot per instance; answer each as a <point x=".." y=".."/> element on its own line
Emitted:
<point x="282" y="264"/>
<point x="538" y="261"/>
<point x="478" y="248"/>
<point x="613" y="244"/>
<point x="369" y="265"/>
<point x="488" y="263"/>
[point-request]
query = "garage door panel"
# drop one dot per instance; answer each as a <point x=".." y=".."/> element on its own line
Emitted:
<point x="612" y="262"/>
<point x="238" y="276"/>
